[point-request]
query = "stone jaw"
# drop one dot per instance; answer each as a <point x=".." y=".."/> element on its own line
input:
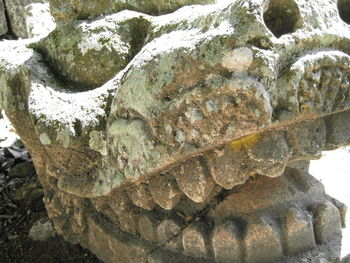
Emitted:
<point x="182" y="123"/>
<point x="265" y="220"/>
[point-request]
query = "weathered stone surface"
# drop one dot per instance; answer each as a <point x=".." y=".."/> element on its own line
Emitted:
<point x="194" y="240"/>
<point x="164" y="122"/>
<point x="299" y="232"/>
<point x="88" y="54"/>
<point x="226" y="243"/>
<point x="338" y="127"/>
<point x="257" y="249"/>
<point x="167" y="230"/>
<point x="344" y="11"/>
<point x="3" y="22"/>
<point x="39" y="21"/>
<point x="327" y="222"/>
<point x="127" y="110"/>
<point x="308" y="138"/>
<point x="270" y="154"/>
<point x="197" y="186"/>
<point x="42" y="230"/>
<point x="229" y="167"/>
<point x="65" y="10"/>
<point x="29" y="18"/>
<point x="148" y="227"/>
<point x="16" y="15"/>
<point x="141" y="197"/>
<point x="112" y="247"/>
<point x="165" y="192"/>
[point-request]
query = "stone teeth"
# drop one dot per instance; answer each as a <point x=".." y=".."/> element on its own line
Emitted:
<point x="123" y="209"/>
<point x="270" y="154"/>
<point x="241" y="232"/>
<point x="307" y="138"/>
<point x="226" y="243"/>
<point x="141" y="197"/>
<point x="128" y="222"/>
<point x="194" y="179"/>
<point x="338" y="127"/>
<point x="194" y="240"/>
<point x="148" y="227"/>
<point x="120" y="203"/>
<point x="327" y="222"/>
<point x="228" y="167"/>
<point x="262" y="242"/>
<point x="167" y="230"/>
<point x="342" y="211"/>
<point x="298" y="231"/>
<point x="164" y="191"/>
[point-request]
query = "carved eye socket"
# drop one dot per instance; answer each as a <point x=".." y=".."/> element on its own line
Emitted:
<point x="344" y="10"/>
<point x="281" y="16"/>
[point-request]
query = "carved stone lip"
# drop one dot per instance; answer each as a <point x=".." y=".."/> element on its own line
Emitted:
<point x="286" y="216"/>
<point x="316" y="100"/>
<point x="277" y="147"/>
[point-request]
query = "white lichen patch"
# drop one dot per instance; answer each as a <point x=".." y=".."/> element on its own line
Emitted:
<point x="39" y="22"/>
<point x="168" y="129"/>
<point x="193" y="115"/>
<point x="45" y="139"/>
<point x="96" y="41"/>
<point x="97" y="142"/>
<point x="107" y="33"/>
<point x="180" y="136"/>
<point x="212" y="106"/>
<point x="238" y="59"/>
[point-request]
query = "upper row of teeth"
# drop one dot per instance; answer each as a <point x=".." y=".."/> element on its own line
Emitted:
<point x="265" y="154"/>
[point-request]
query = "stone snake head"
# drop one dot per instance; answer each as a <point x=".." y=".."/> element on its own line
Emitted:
<point x="114" y="97"/>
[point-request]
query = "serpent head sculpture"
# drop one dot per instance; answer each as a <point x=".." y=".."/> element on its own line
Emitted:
<point x="168" y="131"/>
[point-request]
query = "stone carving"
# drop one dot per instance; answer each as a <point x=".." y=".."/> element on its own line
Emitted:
<point x="171" y="135"/>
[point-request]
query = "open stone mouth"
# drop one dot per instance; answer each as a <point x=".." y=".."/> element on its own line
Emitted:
<point x="194" y="150"/>
<point x="293" y="130"/>
<point x="238" y="201"/>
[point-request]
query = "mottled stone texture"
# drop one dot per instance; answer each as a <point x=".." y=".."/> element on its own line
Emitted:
<point x="170" y="134"/>
<point x="67" y="10"/>
<point x="3" y="22"/>
<point x="29" y="18"/>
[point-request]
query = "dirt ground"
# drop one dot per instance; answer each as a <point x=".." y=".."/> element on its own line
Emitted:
<point x="21" y="205"/>
<point x="17" y="216"/>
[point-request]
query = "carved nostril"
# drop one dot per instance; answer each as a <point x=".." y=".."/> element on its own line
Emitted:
<point x="344" y="10"/>
<point x="281" y="16"/>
